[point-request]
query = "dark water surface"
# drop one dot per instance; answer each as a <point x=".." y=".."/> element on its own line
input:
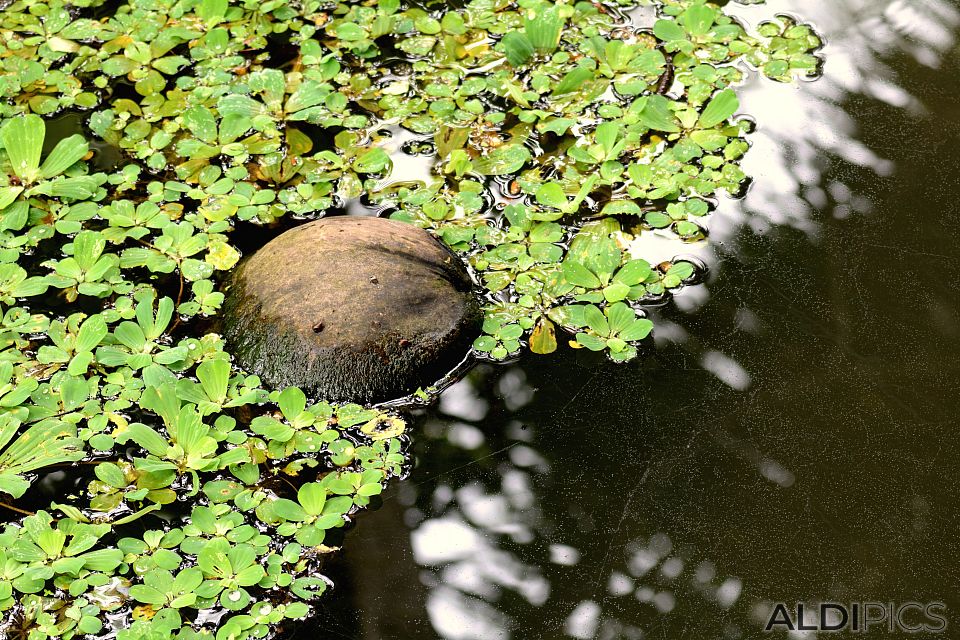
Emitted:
<point x="793" y="435"/>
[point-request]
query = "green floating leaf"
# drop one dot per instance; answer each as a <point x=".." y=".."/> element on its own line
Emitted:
<point x="633" y="272"/>
<point x="577" y="274"/>
<point x="621" y="208"/>
<point x="312" y="497"/>
<point x="503" y="160"/>
<point x="201" y="123"/>
<point x="573" y="81"/>
<point x="596" y="320"/>
<point x="678" y="273"/>
<point x="518" y="48"/>
<point x="591" y="342"/>
<point x="67" y="152"/>
<point x="668" y="30"/>
<point x="721" y="106"/>
<point x="212" y="11"/>
<point x="43" y="444"/>
<point x="551" y="194"/>
<point x="214" y="375"/>
<point x="23" y="140"/>
<point x="543" y="27"/>
<point x="373" y="160"/>
<point x="698" y="19"/>
<point x="8" y="195"/>
<point x="655" y="113"/>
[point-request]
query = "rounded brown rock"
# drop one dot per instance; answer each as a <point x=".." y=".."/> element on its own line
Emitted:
<point x="355" y="309"/>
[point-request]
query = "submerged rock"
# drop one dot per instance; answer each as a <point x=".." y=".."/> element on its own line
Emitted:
<point x="351" y="308"/>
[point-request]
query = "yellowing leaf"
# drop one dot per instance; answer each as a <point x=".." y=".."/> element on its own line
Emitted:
<point x="222" y="256"/>
<point x="543" y="340"/>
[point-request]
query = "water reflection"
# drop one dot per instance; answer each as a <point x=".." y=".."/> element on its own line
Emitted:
<point x="493" y="557"/>
<point x="802" y="126"/>
<point x="787" y="440"/>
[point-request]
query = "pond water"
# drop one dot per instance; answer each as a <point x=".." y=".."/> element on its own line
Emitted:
<point x="792" y="437"/>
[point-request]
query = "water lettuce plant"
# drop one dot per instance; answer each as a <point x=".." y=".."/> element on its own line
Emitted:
<point x="556" y="133"/>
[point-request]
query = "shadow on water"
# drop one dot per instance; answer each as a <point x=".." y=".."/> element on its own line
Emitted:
<point x="105" y="156"/>
<point x="792" y="438"/>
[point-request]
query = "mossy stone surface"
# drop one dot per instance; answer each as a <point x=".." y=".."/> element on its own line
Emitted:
<point x="351" y="309"/>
